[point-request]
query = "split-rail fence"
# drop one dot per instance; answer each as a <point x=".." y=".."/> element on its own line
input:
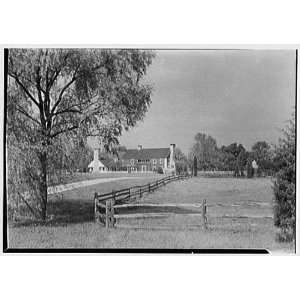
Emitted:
<point x="111" y="206"/>
<point x="105" y="205"/>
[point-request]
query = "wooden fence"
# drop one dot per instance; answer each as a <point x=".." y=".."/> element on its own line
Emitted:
<point x="105" y="204"/>
<point x="121" y="205"/>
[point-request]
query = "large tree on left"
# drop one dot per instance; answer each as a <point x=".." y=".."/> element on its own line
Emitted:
<point x="56" y="94"/>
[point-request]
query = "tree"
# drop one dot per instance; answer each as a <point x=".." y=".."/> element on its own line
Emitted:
<point x="181" y="161"/>
<point x="81" y="155"/>
<point x="241" y="160"/>
<point x="285" y="184"/>
<point x="195" y="166"/>
<point x="119" y="151"/>
<point x="66" y="93"/>
<point x="205" y="149"/>
<point x="263" y="156"/>
<point x="234" y="158"/>
<point x="250" y="170"/>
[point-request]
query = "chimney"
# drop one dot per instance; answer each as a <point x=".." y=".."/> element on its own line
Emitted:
<point x="96" y="154"/>
<point x="140" y="147"/>
<point x="172" y="159"/>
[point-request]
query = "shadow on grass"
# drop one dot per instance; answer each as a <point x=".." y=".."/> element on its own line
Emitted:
<point x="155" y="209"/>
<point x="64" y="212"/>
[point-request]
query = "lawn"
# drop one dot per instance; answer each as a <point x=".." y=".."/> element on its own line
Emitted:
<point x="239" y="216"/>
<point x="75" y="177"/>
<point x="87" y="193"/>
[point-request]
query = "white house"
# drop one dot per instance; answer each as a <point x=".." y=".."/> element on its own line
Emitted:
<point x="96" y="165"/>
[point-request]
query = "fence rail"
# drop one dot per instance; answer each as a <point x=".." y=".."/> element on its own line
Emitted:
<point x="112" y="211"/>
<point x="105" y="204"/>
<point x="118" y="205"/>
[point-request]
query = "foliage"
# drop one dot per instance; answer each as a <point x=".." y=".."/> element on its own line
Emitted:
<point x="160" y="170"/>
<point x="262" y="153"/>
<point x="205" y="150"/>
<point x="22" y="180"/>
<point x="181" y="161"/>
<point x="195" y="166"/>
<point x="235" y="158"/>
<point x="226" y="158"/>
<point x="250" y="170"/>
<point x="285" y="184"/>
<point x="58" y="95"/>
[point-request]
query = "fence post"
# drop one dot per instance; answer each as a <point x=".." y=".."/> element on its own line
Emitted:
<point x="112" y="213"/>
<point x="111" y="209"/>
<point x="95" y="208"/>
<point x="140" y="192"/>
<point x="107" y="202"/>
<point x="204" y="214"/>
<point x="149" y="187"/>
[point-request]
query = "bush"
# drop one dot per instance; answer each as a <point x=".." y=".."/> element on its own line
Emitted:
<point x="160" y="170"/>
<point x="284" y="186"/>
<point x="181" y="167"/>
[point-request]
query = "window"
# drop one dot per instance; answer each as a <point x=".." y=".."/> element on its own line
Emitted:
<point x="161" y="161"/>
<point x="154" y="161"/>
<point x="132" y="161"/>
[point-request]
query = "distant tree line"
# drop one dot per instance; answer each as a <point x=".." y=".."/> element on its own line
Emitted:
<point x="233" y="157"/>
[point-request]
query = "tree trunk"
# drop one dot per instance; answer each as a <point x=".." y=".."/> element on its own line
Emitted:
<point x="195" y="166"/>
<point x="43" y="185"/>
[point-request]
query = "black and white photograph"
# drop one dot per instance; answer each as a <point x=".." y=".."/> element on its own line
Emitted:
<point x="150" y="149"/>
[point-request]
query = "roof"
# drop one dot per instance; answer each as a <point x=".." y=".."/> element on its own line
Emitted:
<point x="108" y="162"/>
<point x="96" y="164"/>
<point x="149" y="153"/>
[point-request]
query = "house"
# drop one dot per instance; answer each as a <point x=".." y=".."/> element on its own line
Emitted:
<point x="96" y="165"/>
<point x="135" y="160"/>
<point x="149" y="159"/>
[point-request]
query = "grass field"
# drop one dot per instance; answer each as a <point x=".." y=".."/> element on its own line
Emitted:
<point x="239" y="216"/>
<point x="75" y="177"/>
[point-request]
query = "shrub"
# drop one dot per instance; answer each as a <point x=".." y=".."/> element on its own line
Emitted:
<point x="160" y="170"/>
<point x="181" y="167"/>
<point x="284" y="185"/>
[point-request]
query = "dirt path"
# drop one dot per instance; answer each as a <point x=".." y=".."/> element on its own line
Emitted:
<point x="76" y="185"/>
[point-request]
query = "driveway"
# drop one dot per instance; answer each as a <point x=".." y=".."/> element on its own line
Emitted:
<point x="75" y="185"/>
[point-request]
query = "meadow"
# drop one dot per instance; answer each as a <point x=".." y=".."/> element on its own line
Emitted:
<point x="80" y="176"/>
<point x="239" y="216"/>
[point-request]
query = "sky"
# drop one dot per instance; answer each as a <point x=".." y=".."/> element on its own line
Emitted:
<point x="239" y="96"/>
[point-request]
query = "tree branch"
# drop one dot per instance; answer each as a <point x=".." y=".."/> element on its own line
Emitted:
<point x="20" y="109"/>
<point x="64" y="130"/>
<point x="67" y="110"/>
<point x="24" y="88"/>
<point x="57" y="71"/>
<point x="52" y="80"/>
<point x="64" y="89"/>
